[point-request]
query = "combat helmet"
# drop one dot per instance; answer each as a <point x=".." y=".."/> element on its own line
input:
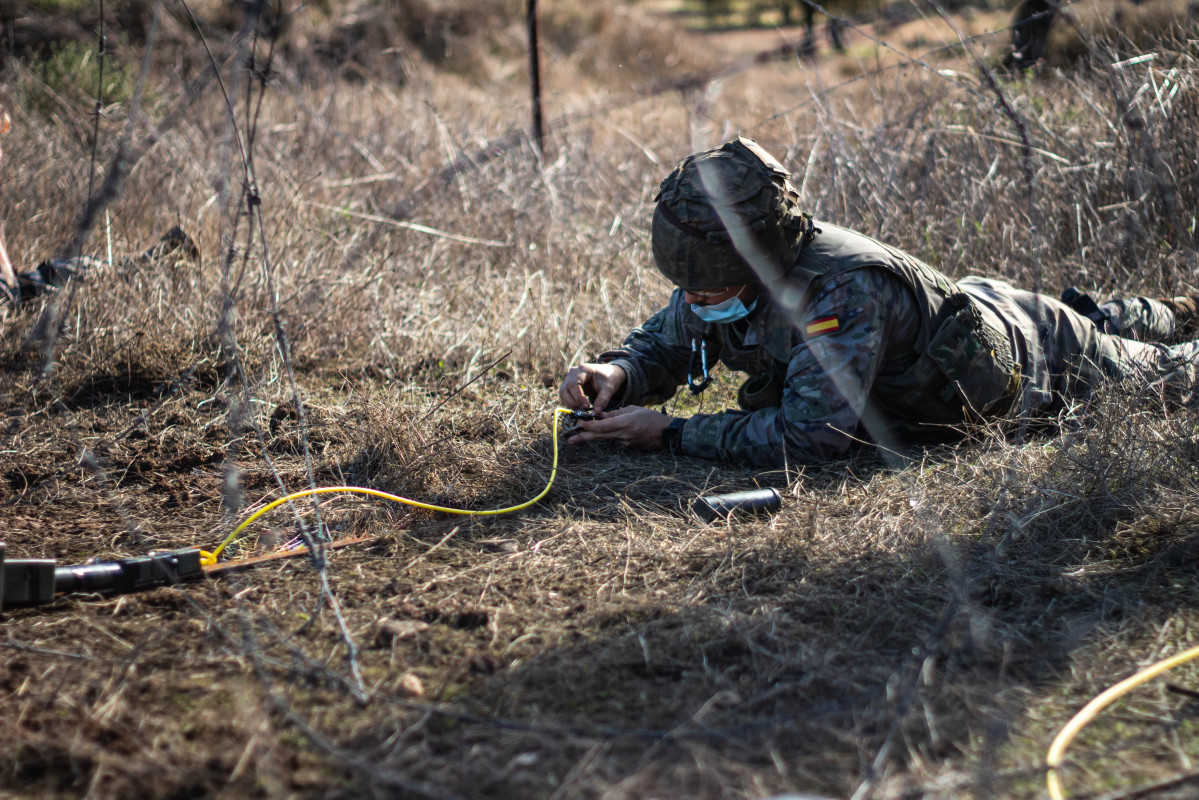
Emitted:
<point x="727" y="216"/>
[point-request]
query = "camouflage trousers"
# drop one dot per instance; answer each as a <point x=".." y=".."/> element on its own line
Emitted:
<point x="1141" y="318"/>
<point x="173" y="248"/>
<point x="1063" y="354"/>
<point x="48" y="276"/>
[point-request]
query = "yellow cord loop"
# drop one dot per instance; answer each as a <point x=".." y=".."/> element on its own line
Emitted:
<point x="1091" y="710"/>
<point x="210" y="558"/>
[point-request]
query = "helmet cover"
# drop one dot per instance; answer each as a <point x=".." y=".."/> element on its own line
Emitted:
<point x="726" y="216"/>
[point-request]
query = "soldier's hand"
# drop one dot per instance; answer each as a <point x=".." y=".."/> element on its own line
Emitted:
<point x="632" y="426"/>
<point x="588" y="385"/>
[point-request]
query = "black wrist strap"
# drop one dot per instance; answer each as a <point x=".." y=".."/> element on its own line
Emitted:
<point x="672" y="435"/>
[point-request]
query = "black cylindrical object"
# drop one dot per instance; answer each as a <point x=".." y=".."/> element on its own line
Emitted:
<point x="33" y="581"/>
<point x="756" y="501"/>
<point x="137" y="574"/>
<point x="25" y="581"/>
<point x="88" y="578"/>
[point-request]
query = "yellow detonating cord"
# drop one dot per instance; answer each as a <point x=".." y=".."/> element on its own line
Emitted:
<point x="1091" y="710"/>
<point x="209" y="559"/>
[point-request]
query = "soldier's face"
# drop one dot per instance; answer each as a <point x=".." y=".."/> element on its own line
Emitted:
<point x="710" y="297"/>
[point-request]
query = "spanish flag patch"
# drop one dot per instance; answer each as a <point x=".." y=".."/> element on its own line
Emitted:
<point x="823" y="325"/>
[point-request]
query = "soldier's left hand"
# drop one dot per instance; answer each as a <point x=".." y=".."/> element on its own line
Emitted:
<point x="632" y="426"/>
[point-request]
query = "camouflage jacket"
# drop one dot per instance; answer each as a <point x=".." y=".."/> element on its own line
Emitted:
<point x="883" y="348"/>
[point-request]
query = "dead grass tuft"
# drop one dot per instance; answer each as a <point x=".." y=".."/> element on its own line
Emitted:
<point x="1131" y="28"/>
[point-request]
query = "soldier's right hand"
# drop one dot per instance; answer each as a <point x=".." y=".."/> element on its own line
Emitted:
<point x="591" y="385"/>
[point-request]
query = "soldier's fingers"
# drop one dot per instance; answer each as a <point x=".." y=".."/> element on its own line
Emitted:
<point x="591" y="435"/>
<point x="571" y="393"/>
<point x="609" y="427"/>
<point x="581" y="437"/>
<point x="566" y="395"/>
<point x="604" y="395"/>
<point x="572" y="396"/>
<point x="615" y="426"/>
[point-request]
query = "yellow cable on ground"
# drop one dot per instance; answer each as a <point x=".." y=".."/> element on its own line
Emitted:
<point x="209" y="559"/>
<point x="1091" y="710"/>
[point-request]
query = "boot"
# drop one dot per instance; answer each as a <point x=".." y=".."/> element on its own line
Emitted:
<point x="1186" y="315"/>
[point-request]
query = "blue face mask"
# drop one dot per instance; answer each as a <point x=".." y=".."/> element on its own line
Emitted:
<point x="730" y="310"/>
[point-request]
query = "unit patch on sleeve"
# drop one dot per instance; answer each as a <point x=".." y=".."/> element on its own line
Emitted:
<point x="823" y="325"/>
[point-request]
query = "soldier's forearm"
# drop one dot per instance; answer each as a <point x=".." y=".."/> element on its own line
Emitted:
<point x="766" y="438"/>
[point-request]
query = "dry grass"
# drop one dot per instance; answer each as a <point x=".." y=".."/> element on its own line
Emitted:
<point x="1131" y="28"/>
<point x="918" y="631"/>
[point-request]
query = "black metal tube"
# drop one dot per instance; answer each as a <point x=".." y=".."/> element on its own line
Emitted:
<point x="33" y="581"/>
<point x="755" y="501"/>
<point x="87" y="577"/>
<point x="25" y="581"/>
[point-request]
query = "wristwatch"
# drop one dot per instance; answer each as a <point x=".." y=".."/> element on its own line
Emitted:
<point x="672" y="435"/>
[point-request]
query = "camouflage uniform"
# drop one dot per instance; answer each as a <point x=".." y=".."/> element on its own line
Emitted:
<point x="46" y="277"/>
<point x="1140" y="318"/>
<point x="174" y="246"/>
<point x="886" y="349"/>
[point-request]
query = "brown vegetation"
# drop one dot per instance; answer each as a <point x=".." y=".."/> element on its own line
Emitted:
<point x="915" y="631"/>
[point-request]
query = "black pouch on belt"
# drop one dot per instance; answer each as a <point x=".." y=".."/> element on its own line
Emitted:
<point x="764" y="390"/>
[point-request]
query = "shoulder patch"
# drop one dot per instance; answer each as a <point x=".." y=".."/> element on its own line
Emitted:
<point x="823" y="325"/>
<point x="654" y="323"/>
